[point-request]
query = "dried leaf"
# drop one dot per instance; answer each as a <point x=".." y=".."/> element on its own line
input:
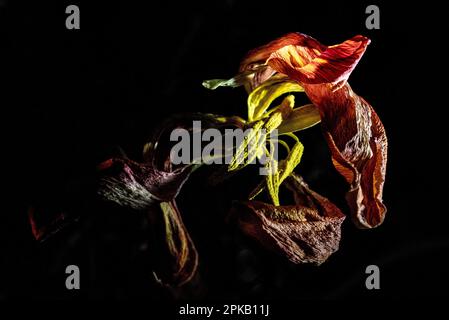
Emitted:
<point x="256" y="59"/>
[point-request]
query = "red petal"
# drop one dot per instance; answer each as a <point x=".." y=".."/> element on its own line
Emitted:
<point x="358" y="144"/>
<point x="261" y="54"/>
<point x="332" y="65"/>
<point x="256" y="59"/>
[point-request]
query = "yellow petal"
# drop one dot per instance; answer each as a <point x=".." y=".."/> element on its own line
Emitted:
<point x="300" y="118"/>
<point x="272" y="181"/>
<point x="248" y="149"/>
<point x="260" y="99"/>
<point x="293" y="159"/>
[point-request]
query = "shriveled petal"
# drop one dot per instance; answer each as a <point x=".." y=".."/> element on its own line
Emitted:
<point x="175" y="258"/>
<point x="353" y="130"/>
<point x="139" y="185"/>
<point x="255" y="62"/>
<point x="332" y="65"/>
<point x="308" y="232"/>
<point x="358" y="144"/>
<point x="261" y="54"/>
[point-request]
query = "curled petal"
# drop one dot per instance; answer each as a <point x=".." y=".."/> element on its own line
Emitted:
<point x="308" y="232"/>
<point x="261" y="98"/>
<point x="358" y="144"/>
<point x="260" y="55"/>
<point x="47" y="224"/>
<point x="332" y="65"/>
<point x="353" y="130"/>
<point x="255" y="62"/>
<point x="175" y="258"/>
<point x="137" y="185"/>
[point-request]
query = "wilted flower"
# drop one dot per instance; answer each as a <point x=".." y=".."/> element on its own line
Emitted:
<point x="353" y="131"/>
<point x="308" y="231"/>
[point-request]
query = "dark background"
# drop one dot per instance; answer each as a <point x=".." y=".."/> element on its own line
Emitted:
<point x="70" y="97"/>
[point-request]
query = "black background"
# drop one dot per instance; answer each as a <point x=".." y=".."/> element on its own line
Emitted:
<point x="70" y="97"/>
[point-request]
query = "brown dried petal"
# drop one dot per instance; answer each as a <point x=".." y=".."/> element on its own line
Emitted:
<point x="308" y="232"/>
<point x="139" y="185"/>
<point x="358" y="144"/>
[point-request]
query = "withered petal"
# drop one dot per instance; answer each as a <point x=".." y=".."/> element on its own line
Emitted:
<point x="139" y="185"/>
<point x="358" y="145"/>
<point x="261" y="54"/>
<point x="308" y="232"/>
<point x="175" y="258"/>
<point x="332" y="65"/>
<point x="256" y="59"/>
<point x="354" y="132"/>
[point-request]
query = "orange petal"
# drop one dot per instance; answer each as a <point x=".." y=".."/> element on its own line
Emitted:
<point x="256" y="59"/>
<point x="332" y="65"/>
<point x="139" y="185"/>
<point x="358" y="144"/>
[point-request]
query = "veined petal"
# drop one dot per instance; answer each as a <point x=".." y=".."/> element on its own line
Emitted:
<point x="293" y="159"/>
<point x="260" y="99"/>
<point x="175" y="258"/>
<point x="353" y="130"/>
<point x="248" y="148"/>
<point x="256" y="59"/>
<point x="139" y="185"/>
<point x="47" y="224"/>
<point x="260" y="55"/>
<point x="308" y="232"/>
<point x="358" y="144"/>
<point x="332" y="65"/>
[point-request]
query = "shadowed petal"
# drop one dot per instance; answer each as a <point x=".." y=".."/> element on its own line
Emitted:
<point x="254" y="64"/>
<point x="175" y="258"/>
<point x="139" y="185"/>
<point x="308" y="232"/>
<point x="354" y="132"/>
